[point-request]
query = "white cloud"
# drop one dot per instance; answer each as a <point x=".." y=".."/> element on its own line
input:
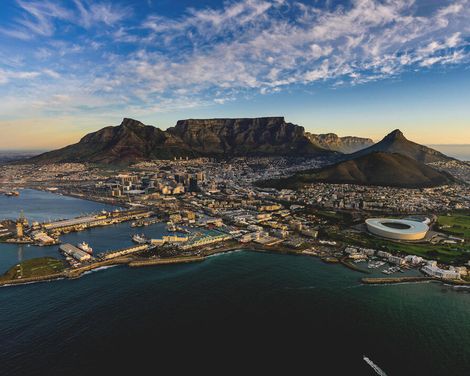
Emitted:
<point x="39" y="17"/>
<point x="209" y="56"/>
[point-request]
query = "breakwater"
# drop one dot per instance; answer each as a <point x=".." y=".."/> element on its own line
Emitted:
<point x="23" y="281"/>
<point x="352" y="266"/>
<point x="382" y="281"/>
<point x="166" y="261"/>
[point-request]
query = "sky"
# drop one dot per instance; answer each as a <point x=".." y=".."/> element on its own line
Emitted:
<point x="359" y="67"/>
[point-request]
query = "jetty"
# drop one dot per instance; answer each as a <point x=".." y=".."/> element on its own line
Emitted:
<point x="384" y="281"/>
<point x="166" y="261"/>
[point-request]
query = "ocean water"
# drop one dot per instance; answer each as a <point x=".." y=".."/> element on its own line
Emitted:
<point x="461" y="152"/>
<point x="45" y="206"/>
<point x="240" y="312"/>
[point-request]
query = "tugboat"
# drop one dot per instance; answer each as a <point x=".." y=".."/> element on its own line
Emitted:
<point x="139" y="239"/>
<point x="85" y="247"/>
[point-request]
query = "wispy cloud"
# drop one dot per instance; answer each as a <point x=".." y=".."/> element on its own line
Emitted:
<point x="40" y="16"/>
<point x="214" y="55"/>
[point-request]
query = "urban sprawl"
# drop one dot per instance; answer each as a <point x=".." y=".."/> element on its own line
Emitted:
<point x="213" y="206"/>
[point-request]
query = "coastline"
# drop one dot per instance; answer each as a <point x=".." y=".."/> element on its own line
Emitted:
<point x="203" y="254"/>
<point x="135" y="262"/>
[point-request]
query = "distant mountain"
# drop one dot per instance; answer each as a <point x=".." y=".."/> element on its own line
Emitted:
<point x="133" y="141"/>
<point x="331" y="141"/>
<point x="376" y="168"/>
<point x="395" y="142"/>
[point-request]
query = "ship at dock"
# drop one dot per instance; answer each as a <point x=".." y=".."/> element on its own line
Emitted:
<point x="170" y="226"/>
<point x="145" y="222"/>
<point x="85" y="247"/>
<point x="12" y="194"/>
<point x="139" y="239"/>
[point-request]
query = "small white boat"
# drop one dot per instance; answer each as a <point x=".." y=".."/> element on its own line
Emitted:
<point x="140" y="239"/>
<point x="374" y="366"/>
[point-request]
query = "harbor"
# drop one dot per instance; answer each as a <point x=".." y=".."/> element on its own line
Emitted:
<point x="263" y="278"/>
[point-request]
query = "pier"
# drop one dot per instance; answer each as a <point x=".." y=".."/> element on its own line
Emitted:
<point x="102" y="219"/>
<point x="125" y="251"/>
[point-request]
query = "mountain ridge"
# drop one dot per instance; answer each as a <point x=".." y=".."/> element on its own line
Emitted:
<point x="345" y="144"/>
<point x="376" y="169"/>
<point x="396" y="142"/>
<point x="132" y="141"/>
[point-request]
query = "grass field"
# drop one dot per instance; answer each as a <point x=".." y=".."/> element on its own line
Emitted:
<point x="457" y="224"/>
<point x="451" y="254"/>
<point x="37" y="267"/>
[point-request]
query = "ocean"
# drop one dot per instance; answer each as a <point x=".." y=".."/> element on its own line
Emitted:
<point x="240" y="312"/>
<point x="460" y="152"/>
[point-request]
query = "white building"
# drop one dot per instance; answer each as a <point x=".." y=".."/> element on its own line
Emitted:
<point x="398" y="229"/>
<point x="437" y="272"/>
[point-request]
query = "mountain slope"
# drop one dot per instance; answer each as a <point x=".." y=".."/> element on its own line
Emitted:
<point x="377" y="168"/>
<point x="133" y="141"/>
<point x="395" y="142"/>
<point x="348" y="144"/>
<point x="129" y="142"/>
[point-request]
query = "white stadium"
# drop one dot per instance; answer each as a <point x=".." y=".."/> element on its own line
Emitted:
<point x="398" y="229"/>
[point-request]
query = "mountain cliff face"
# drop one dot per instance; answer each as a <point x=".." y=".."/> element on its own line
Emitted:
<point x="396" y="142"/>
<point x="258" y="136"/>
<point x="133" y="141"/>
<point x="129" y="142"/>
<point x="383" y="169"/>
<point x="331" y="141"/>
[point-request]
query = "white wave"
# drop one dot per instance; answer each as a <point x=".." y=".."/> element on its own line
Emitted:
<point x="224" y="253"/>
<point x="374" y="366"/>
<point x="98" y="269"/>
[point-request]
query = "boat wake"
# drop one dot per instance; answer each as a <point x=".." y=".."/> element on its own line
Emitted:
<point x="374" y="366"/>
<point x="301" y="288"/>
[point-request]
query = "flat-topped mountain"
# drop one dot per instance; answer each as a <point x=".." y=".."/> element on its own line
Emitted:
<point x="250" y="136"/>
<point x="132" y="141"/>
<point x="347" y="144"/>
<point x="396" y="142"/>
<point x="376" y="168"/>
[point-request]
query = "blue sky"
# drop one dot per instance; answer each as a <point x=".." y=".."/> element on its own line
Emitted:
<point x="361" y="67"/>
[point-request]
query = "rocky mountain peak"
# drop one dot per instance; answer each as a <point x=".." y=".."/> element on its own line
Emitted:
<point x="131" y="123"/>
<point x="395" y="135"/>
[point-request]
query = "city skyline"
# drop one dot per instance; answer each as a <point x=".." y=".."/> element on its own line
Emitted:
<point x="360" y="68"/>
